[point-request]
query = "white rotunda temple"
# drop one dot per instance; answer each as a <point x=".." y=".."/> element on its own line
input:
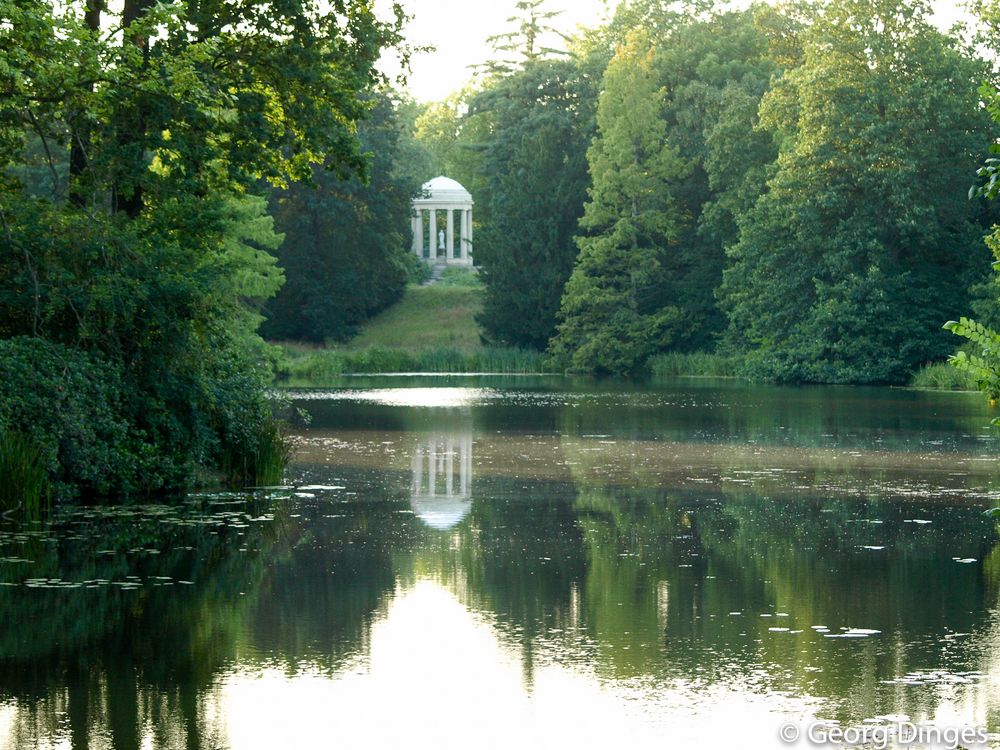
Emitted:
<point x="442" y="223"/>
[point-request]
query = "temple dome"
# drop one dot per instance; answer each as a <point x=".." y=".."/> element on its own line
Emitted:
<point x="443" y="190"/>
<point x="440" y="513"/>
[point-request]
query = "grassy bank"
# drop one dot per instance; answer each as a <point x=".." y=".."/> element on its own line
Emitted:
<point x="431" y="329"/>
<point x="426" y="318"/>
<point x="322" y="364"/>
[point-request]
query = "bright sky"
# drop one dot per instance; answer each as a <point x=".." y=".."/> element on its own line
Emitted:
<point x="458" y="29"/>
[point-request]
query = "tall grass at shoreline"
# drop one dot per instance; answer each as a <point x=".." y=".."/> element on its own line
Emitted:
<point x="701" y="364"/>
<point x="936" y="376"/>
<point x="259" y="462"/>
<point x="318" y="365"/>
<point x="942" y="376"/>
<point x="24" y="479"/>
<point x="323" y="364"/>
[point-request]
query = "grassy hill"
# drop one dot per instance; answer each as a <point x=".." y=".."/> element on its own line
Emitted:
<point x="440" y="315"/>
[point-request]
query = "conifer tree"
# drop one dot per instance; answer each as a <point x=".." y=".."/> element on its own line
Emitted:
<point x="613" y="315"/>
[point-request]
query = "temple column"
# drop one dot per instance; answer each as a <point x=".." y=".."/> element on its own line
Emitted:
<point x="434" y="232"/>
<point x="417" y="466"/>
<point x="432" y="468"/>
<point x="449" y="243"/>
<point x="449" y="468"/>
<point x="467" y="250"/>
<point x="467" y="466"/>
<point x="418" y="234"/>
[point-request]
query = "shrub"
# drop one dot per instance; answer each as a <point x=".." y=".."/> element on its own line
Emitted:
<point x="69" y="406"/>
<point x="97" y="433"/>
<point x="982" y="367"/>
<point x="416" y="270"/>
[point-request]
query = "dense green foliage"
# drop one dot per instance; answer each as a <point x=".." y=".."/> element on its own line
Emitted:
<point x="708" y="72"/>
<point x="541" y="117"/>
<point x="135" y="262"/>
<point x="345" y="252"/>
<point x="70" y="406"/>
<point x="982" y="368"/>
<point x="981" y="365"/>
<point x="614" y="314"/>
<point x="715" y="70"/>
<point x="865" y="237"/>
<point x="812" y="213"/>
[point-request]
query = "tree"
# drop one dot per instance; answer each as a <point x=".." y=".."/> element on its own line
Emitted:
<point x="864" y="234"/>
<point x="153" y="260"/>
<point x="524" y="45"/>
<point x="982" y="363"/>
<point x="345" y="253"/>
<point x="716" y="69"/>
<point x="612" y="315"/>
<point x="455" y="138"/>
<point x="541" y="120"/>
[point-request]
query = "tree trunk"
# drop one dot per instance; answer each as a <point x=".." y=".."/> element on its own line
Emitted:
<point x="132" y="123"/>
<point x="79" y="133"/>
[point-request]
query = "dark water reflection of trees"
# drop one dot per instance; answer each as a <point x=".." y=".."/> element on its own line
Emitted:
<point x="608" y="558"/>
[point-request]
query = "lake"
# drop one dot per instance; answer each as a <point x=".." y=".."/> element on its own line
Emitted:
<point x="534" y="562"/>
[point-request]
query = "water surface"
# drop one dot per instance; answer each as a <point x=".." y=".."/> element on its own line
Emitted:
<point x="530" y="562"/>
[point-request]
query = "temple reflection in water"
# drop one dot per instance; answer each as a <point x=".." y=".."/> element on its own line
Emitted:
<point x="441" y="493"/>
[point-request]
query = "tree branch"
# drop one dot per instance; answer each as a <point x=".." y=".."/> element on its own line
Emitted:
<point x="48" y="153"/>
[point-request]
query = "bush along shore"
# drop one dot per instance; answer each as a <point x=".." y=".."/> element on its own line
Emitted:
<point x="136" y="242"/>
<point x="74" y="425"/>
